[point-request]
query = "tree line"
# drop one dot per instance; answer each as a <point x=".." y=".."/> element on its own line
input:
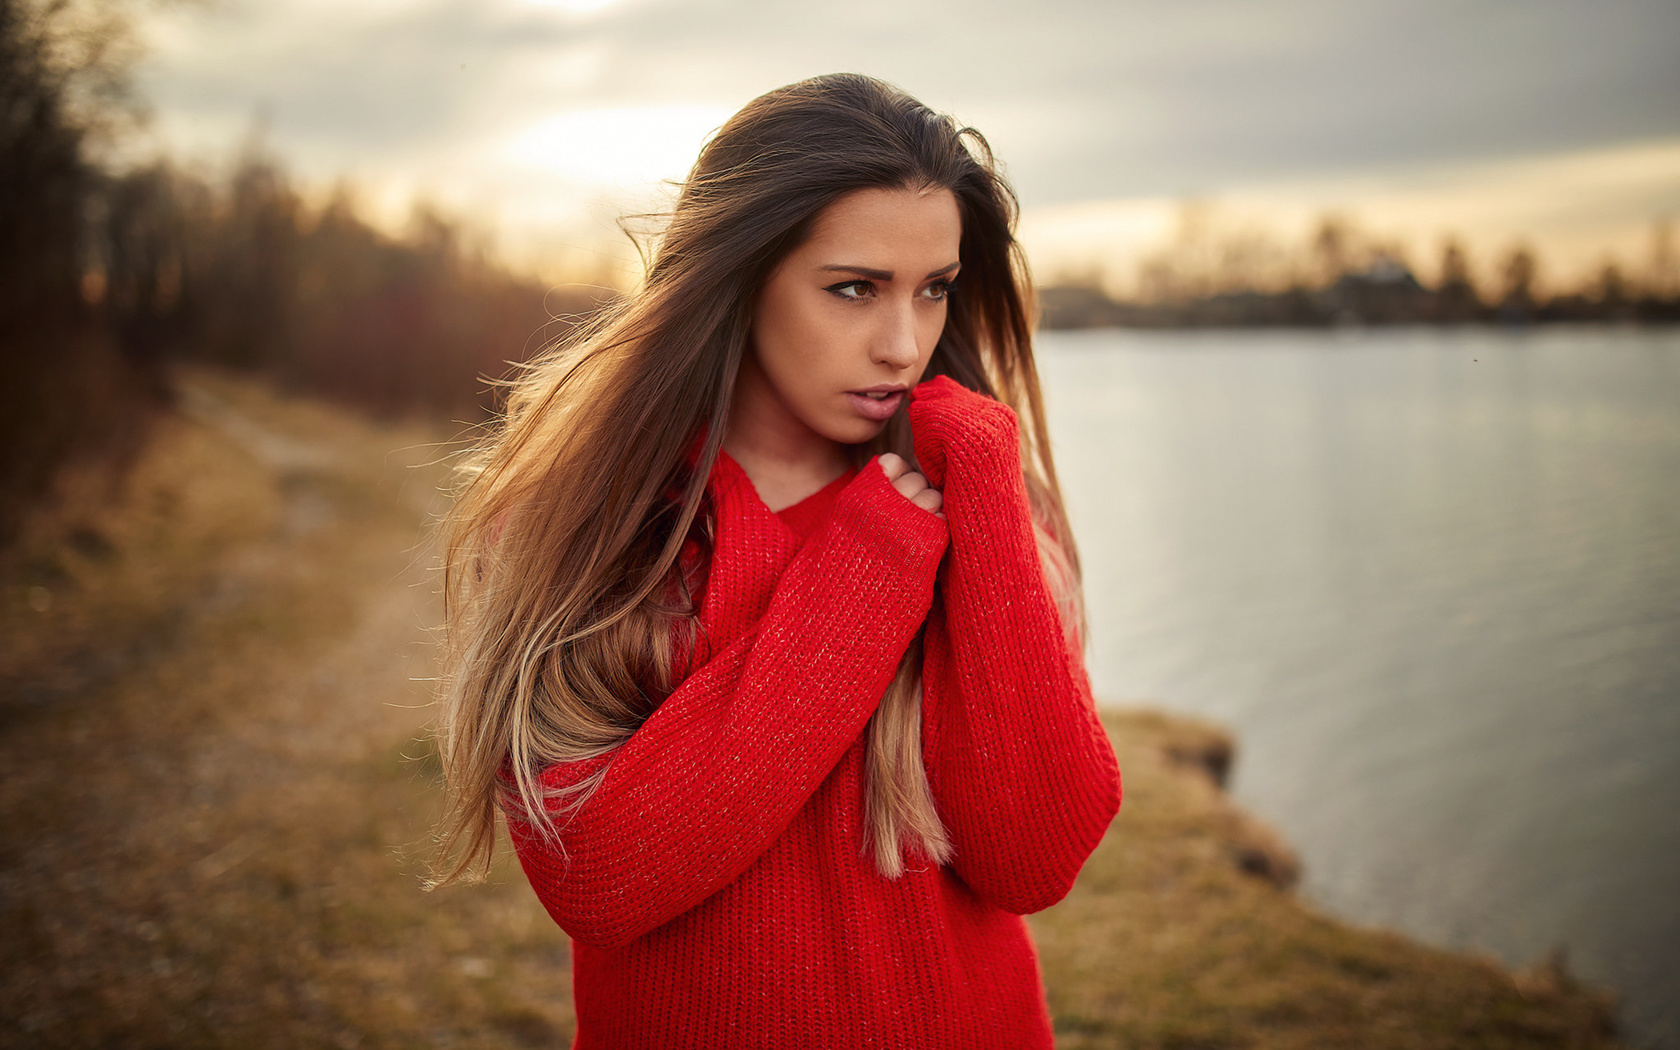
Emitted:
<point x="107" y="278"/>
<point x="1341" y="274"/>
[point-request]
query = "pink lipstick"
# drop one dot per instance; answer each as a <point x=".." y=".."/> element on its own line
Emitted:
<point x="877" y="403"/>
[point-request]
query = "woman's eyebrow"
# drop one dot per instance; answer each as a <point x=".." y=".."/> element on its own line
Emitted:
<point x="883" y="275"/>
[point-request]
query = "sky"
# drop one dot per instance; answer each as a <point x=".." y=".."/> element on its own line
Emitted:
<point x="542" y="120"/>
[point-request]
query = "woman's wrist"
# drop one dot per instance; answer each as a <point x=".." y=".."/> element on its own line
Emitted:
<point x="872" y="510"/>
<point x="954" y="425"/>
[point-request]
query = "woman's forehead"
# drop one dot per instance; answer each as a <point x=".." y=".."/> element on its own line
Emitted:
<point x="911" y="225"/>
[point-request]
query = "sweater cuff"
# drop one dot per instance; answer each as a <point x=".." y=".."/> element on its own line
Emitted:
<point x="954" y="425"/>
<point x="871" y="512"/>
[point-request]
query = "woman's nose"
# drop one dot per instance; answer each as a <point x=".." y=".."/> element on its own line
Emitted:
<point x="895" y="342"/>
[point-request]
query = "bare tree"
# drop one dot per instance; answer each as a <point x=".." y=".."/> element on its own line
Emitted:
<point x="1332" y="247"/>
<point x="1456" y="290"/>
<point x="68" y="389"/>
<point x="1663" y="282"/>
<point x="1519" y="271"/>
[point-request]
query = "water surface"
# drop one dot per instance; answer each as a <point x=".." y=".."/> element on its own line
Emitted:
<point x="1432" y="580"/>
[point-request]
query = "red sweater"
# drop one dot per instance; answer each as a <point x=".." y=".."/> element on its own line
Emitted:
<point x="715" y="886"/>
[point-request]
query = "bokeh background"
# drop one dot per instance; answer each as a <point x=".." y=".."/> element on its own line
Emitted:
<point x="1363" y="372"/>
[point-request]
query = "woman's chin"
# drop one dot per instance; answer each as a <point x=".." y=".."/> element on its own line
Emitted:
<point x="855" y="431"/>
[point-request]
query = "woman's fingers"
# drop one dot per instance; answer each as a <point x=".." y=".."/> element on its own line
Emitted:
<point x="910" y="484"/>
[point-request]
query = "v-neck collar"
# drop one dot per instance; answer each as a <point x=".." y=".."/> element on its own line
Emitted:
<point x="799" y="519"/>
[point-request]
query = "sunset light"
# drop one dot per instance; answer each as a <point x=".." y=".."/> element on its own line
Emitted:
<point x="619" y="148"/>
<point x="1090" y="524"/>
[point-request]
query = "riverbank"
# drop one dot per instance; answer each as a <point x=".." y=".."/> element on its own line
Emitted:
<point x="1182" y="931"/>
<point x="212" y="701"/>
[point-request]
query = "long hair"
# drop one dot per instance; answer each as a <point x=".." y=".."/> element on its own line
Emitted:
<point x="566" y="599"/>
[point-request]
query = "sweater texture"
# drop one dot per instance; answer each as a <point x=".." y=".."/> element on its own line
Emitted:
<point x="715" y="885"/>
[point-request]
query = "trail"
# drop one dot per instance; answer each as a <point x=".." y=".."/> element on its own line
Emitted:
<point x="214" y="837"/>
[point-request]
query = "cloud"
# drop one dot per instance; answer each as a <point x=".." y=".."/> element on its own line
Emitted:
<point x="617" y="146"/>
<point x="1083" y="101"/>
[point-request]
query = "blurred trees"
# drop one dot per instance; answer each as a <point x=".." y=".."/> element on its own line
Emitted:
<point x="1338" y="273"/>
<point x="249" y="275"/>
<point x="1518" y="271"/>
<point x="107" y="277"/>
<point x="1332" y="248"/>
<point x="69" y="391"/>
<point x="1664" y="278"/>
<point x="1457" y="291"/>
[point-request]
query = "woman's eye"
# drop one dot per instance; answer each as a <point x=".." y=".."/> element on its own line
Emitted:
<point x="939" y="289"/>
<point x="853" y="289"/>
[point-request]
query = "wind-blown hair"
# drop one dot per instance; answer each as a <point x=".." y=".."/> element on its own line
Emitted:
<point x="567" y="609"/>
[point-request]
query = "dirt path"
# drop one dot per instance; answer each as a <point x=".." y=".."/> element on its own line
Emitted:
<point x="216" y="789"/>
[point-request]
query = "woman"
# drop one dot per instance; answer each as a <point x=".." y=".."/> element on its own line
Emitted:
<point x="788" y="733"/>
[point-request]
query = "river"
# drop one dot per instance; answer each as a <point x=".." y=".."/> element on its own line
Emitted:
<point x="1432" y="580"/>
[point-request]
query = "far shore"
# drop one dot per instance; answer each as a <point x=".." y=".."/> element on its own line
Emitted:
<point x="1378" y="298"/>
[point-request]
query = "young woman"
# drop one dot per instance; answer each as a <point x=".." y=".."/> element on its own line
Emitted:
<point x="764" y="612"/>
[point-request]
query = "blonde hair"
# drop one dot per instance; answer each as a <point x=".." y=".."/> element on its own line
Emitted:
<point x="565" y="598"/>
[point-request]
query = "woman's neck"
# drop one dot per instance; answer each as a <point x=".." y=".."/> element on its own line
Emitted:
<point x="782" y="480"/>
<point x="785" y="460"/>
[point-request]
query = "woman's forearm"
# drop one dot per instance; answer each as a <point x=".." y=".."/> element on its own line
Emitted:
<point x="1020" y="766"/>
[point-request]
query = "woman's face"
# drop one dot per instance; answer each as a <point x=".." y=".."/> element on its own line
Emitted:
<point x="846" y="325"/>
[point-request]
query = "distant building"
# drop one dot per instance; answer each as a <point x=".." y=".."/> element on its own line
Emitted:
<point x="1383" y="292"/>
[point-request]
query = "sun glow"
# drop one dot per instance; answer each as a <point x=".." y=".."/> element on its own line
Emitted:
<point x="616" y="148"/>
<point x="574" y="7"/>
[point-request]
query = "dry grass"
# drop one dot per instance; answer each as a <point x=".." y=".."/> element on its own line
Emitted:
<point x="1180" y="935"/>
<point x="216" y="794"/>
<point x="215" y="799"/>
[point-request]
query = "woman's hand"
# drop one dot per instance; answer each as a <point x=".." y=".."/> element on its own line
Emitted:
<point x="911" y="485"/>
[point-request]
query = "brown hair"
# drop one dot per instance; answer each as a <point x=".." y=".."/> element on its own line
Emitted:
<point x="562" y="592"/>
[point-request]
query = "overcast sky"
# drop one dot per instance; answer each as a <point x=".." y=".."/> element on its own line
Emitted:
<point x="542" y="119"/>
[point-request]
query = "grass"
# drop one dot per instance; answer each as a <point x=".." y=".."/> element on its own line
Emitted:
<point x="217" y="794"/>
<point x="1171" y="939"/>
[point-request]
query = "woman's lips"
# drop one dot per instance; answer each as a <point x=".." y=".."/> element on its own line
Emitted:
<point x="877" y="409"/>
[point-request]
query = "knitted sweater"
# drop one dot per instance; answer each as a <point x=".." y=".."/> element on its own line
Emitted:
<point x="715" y="885"/>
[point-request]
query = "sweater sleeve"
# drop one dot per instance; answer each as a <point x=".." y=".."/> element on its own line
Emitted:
<point x="1022" y="772"/>
<point x="721" y="768"/>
